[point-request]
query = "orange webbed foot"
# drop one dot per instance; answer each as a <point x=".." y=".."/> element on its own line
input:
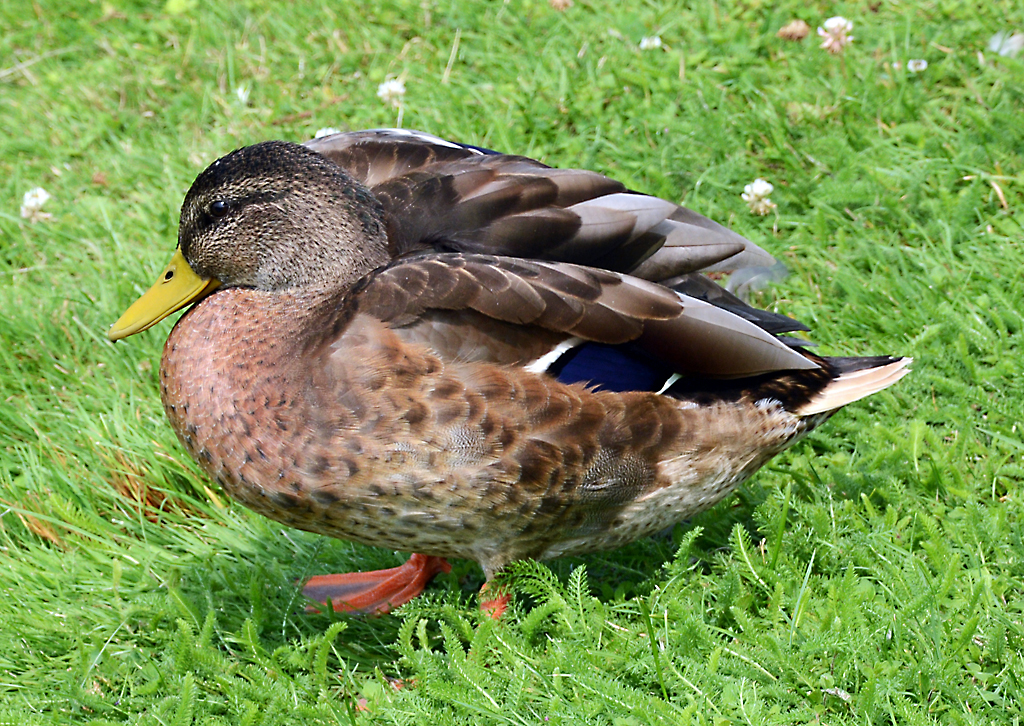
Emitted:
<point x="375" y="592"/>
<point x="495" y="603"/>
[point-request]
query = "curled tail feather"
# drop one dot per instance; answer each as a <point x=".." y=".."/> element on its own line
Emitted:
<point x="857" y="379"/>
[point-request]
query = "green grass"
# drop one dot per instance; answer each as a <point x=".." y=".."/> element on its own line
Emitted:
<point x="872" y="575"/>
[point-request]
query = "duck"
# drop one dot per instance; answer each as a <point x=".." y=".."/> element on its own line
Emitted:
<point x="436" y="348"/>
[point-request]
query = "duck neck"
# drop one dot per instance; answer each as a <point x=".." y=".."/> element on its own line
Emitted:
<point x="328" y="255"/>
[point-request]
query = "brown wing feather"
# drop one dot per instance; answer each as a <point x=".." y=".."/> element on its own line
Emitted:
<point x="442" y="196"/>
<point x="606" y="307"/>
<point x="376" y="155"/>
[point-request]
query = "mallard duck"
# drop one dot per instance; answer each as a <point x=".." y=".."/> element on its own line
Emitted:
<point x="432" y="347"/>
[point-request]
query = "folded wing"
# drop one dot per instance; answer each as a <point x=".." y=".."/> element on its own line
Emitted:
<point x="441" y="299"/>
<point x="443" y="196"/>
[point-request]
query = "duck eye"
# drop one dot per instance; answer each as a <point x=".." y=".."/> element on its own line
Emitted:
<point x="218" y="208"/>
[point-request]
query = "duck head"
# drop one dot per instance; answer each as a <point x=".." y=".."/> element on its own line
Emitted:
<point x="274" y="216"/>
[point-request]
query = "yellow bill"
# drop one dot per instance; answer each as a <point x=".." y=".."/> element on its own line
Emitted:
<point x="177" y="286"/>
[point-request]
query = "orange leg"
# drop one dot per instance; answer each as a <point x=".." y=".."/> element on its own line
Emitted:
<point x="379" y="591"/>
<point x="494" y="606"/>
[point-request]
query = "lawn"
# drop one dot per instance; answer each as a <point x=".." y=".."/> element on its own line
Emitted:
<point x="873" y="574"/>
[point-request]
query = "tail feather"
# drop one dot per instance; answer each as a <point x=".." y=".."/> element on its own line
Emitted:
<point x="855" y="382"/>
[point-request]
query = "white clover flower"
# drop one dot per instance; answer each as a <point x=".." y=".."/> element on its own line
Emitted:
<point x="391" y="91"/>
<point x="650" y="42"/>
<point x="1006" y="44"/>
<point x="243" y="94"/>
<point x="916" y="65"/>
<point x="326" y="131"/>
<point x="836" y="34"/>
<point x="756" y="194"/>
<point x="32" y="205"/>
